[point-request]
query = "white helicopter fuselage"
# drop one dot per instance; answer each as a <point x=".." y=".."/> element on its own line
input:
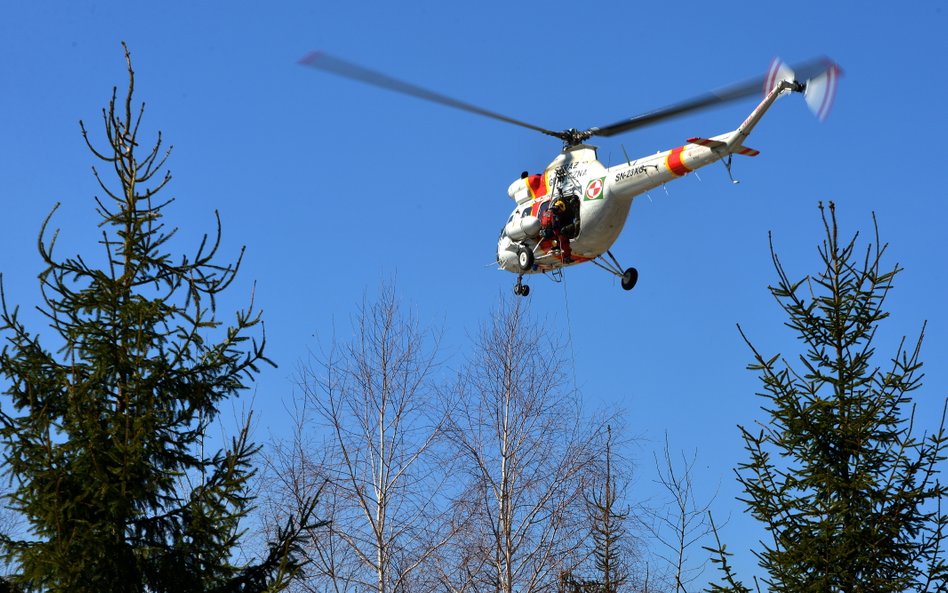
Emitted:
<point x="542" y="235"/>
<point x="604" y="194"/>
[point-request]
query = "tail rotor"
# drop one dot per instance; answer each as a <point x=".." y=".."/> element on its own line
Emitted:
<point x="821" y="91"/>
<point x="817" y="79"/>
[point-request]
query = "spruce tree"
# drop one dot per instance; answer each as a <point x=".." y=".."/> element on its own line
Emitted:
<point x="103" y="429"/>
<point x="847" y="490"/>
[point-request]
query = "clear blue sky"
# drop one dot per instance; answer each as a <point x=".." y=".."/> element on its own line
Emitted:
<point x="335" y="187"/>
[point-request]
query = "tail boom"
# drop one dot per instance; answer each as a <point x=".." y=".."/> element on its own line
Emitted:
<point x="635" y="177"/>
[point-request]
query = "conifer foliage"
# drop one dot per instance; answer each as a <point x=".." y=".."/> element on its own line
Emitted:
<point x="103" y="429"/>
<point x="844" y="484"/>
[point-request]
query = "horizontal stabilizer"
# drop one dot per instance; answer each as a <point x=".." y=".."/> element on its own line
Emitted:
<point x="746" y="151"/>
<point x="706" y="142"/>
<point x="715" y="144"/>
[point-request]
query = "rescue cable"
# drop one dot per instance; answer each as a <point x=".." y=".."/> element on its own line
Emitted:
<point x="569" y="333"/>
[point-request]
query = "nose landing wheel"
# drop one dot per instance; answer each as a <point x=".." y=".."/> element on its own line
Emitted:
<point x="524" y="258"/>
<point x="521" y="289"/>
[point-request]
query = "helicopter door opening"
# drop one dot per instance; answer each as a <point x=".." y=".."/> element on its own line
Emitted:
<point x="570" y="228"/>
<point x="568" y="221"/>
<point x="559" y="223"/>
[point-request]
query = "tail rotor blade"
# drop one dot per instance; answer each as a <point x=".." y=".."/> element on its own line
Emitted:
<point x="778" y="72"/>
<point x="821" y="91"/>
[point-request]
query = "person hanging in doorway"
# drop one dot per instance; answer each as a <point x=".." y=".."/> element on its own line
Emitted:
<point x="560" y="218"/>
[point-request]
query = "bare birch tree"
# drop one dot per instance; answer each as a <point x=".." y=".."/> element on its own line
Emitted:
<point x="525" y="454"/>
<point x="381" y="483"/>
<point x="680" y="527"/>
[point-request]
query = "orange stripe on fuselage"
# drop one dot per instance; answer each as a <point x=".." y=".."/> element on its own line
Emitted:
<point x="674" y="163"/>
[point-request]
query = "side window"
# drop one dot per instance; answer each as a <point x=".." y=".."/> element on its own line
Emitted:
<point x="538" y="208"/>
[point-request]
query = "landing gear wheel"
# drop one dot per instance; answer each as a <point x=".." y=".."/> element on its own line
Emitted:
<point x="524" y="290"/>
<point x="521" y="289"/>
<point x="524" y="258"/>
<point x="629" y="278"/>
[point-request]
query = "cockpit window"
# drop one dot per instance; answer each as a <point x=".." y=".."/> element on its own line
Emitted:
<point x="525" y="212"/>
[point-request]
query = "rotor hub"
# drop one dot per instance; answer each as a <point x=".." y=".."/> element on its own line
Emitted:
<point x="572" y="136"/>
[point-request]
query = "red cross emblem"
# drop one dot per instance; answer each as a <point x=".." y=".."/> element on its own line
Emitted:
<point x="594" y="189"/>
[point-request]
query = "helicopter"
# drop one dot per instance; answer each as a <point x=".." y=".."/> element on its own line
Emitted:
<point x="574" y="211"/>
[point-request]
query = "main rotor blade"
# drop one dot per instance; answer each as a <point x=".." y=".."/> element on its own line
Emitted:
<point x="727" y="94"/>
<point x="338" y="66"/>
